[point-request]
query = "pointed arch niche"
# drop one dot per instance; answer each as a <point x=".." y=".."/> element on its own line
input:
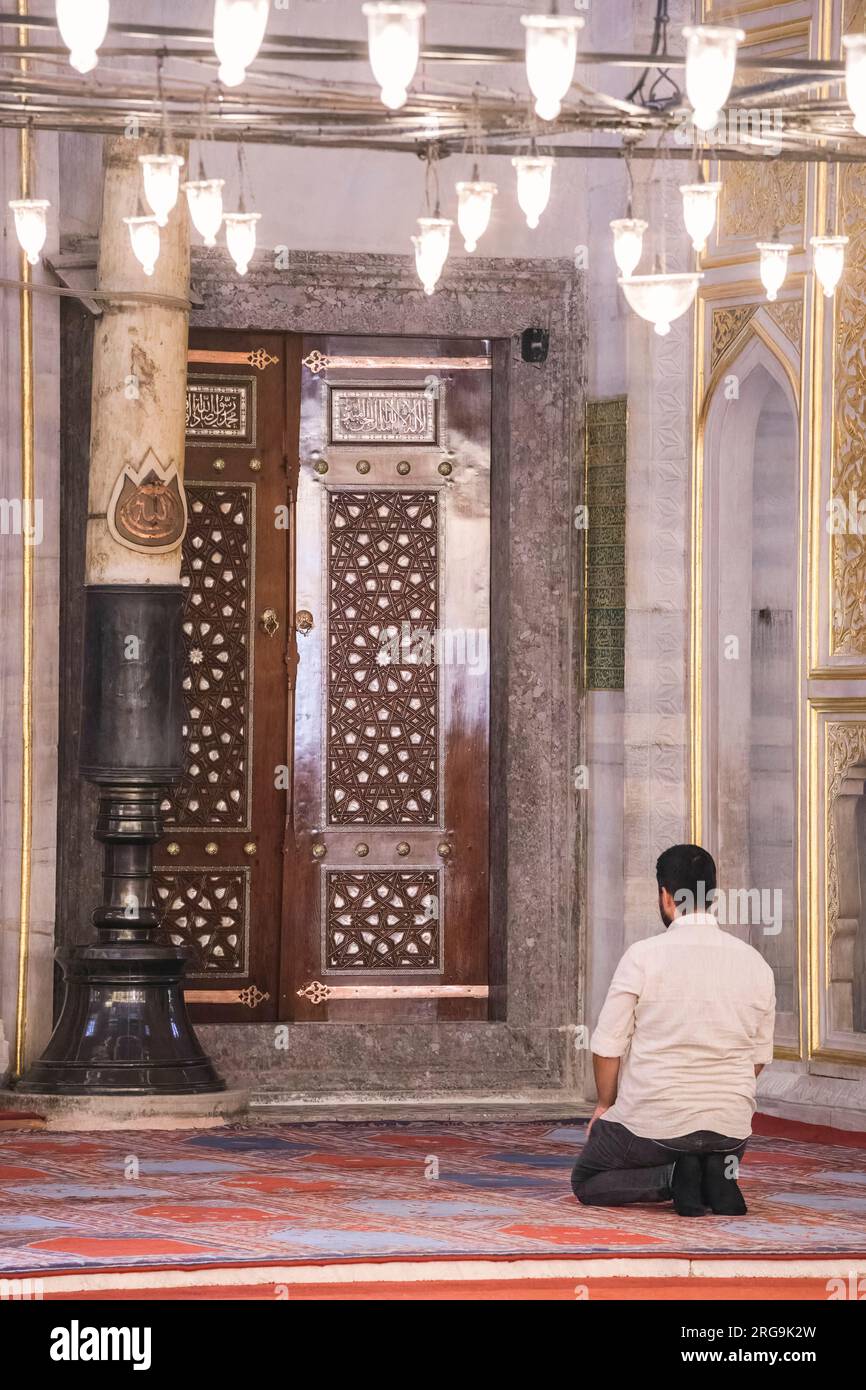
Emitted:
<point x="748" y="677"/>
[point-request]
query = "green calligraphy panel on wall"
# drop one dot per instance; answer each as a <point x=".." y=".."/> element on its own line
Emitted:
<point x="606" y="450"/>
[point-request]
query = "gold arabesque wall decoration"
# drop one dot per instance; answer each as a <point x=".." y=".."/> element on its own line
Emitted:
<point x="831" y="601"/>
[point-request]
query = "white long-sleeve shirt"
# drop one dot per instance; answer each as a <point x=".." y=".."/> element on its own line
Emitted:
<point x="691" y="1013"/>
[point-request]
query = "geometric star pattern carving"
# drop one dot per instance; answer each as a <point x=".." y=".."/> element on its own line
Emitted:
<point x="206" y="912"/>
<point x="215" y="571"/>
<point x="382" y="920"/>
<point x="383" y="726"/>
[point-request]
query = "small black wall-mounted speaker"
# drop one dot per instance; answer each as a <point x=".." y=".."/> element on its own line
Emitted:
<point x="534" y="343"/>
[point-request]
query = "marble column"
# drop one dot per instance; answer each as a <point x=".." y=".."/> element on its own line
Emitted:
<point x="124" y="1028"/>
<point x="656" y="715"/>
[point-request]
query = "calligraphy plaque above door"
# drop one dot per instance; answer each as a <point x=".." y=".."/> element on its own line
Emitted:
<point x="367" y="415"/>
<point x="221" y="410"/>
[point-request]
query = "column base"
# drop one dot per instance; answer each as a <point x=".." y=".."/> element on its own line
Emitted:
<point x="124" y="1028"/>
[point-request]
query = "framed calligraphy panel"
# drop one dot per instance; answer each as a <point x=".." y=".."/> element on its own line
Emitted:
<point x="366" y="415"/>
<point x="221" y="410"/>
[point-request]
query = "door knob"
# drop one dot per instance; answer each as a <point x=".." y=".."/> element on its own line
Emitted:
<point x="304" y="620"/>
<point x="269" y="622"/>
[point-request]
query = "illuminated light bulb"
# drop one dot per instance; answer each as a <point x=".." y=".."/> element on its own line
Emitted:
<point x="855" y="78"/>
<point x="431" y="249"/>
<point x="205" y="200"/>
<point x="161" y="182"/>
<point x="828" y="261"/>
<point x="144" y="235"/>
<point x="551" y="53"/>
<point x="474" y="205"/>
<point x="394" y="38"/>
<point x="241" y="238"/>
<point x="83" y="25"/>
<point x="711" y="60"/>
<point x="31" y="225"/>
<point x="238" y="29"/>
<point x="534" y="173"/>
<point x="660" y="298"/>
<point x="700" y="201"/>
<point x="774" y="265"/>
<point x="627" y="243"/>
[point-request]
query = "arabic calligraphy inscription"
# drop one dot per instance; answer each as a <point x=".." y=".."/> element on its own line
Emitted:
<point x="368" y="416"/>
<point x="220" y="410"/>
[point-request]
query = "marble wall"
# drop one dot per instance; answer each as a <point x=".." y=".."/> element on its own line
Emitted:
<point x="43" y="553"/>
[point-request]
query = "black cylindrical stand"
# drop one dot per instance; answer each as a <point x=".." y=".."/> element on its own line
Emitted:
<point x="124" y="1028"/>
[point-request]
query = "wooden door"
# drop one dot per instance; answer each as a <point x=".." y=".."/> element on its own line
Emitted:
<point x="219" y="866"/>
<point x="386" y="886"/>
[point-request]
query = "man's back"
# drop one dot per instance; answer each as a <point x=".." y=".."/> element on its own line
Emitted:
<point x="692" y="1013"/>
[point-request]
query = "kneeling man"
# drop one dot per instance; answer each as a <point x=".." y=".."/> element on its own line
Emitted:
<point x="686" y="1027"/>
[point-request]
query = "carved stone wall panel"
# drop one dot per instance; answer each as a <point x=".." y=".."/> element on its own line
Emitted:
<point x="726" y="325"/>
<point x="845" y="942"/>
<point x="846" y="748"/>
<point x="788" y="314"/>
<point x="759" y="197"/>
<point x="215" y="787"/>
<point x="731" y="322"/>
<point x="384" y="920"/>
<point x="753" y="204"/>
<point x="383" y="685"/>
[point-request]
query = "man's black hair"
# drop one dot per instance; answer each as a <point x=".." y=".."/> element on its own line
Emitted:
<point x="689" y="871"/>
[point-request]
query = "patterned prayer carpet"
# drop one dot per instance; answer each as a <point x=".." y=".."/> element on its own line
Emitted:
<point x="321" y="1193"/>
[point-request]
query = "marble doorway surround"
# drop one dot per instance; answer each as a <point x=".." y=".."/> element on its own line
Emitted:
<point x="538" y="861"/>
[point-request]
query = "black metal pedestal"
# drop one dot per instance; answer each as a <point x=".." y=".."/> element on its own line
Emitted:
<point x="124" y="1027"/>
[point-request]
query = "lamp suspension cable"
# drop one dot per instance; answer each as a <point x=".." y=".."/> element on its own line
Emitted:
<point x="658" y="48"/>
<point x="241" y="225"/>
<point x="30" y="213"/>
<point x="161" y="171"/>
<point x="204" y="196"/>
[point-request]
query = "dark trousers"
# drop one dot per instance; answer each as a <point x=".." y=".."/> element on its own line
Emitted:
<point x="617" y="1166"/>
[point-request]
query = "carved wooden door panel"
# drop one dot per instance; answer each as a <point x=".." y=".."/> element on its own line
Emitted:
<point x="219" y="870"/>
<point x="387" y="846"/>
